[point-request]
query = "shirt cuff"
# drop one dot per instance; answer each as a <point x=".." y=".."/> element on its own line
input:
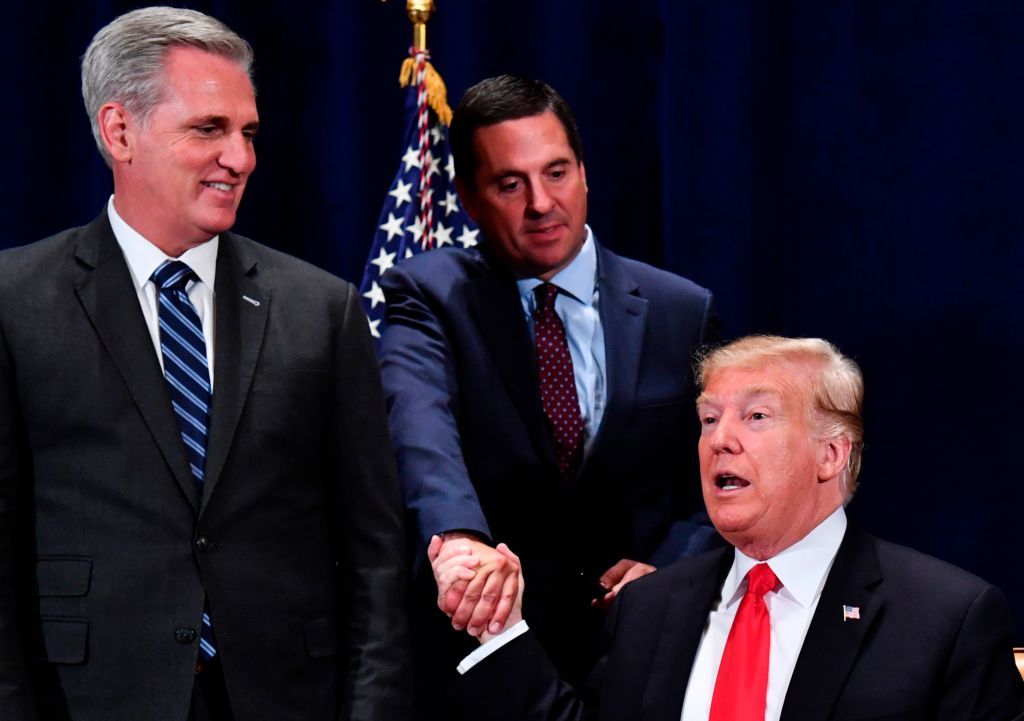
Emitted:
<point x="493" y="645"/>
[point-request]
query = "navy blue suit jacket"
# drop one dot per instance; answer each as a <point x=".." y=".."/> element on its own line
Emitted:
<point x="933" y="643"/>
<point x="474" y="450"/>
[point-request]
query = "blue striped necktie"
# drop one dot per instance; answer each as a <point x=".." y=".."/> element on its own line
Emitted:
<point x="187" y="373"/>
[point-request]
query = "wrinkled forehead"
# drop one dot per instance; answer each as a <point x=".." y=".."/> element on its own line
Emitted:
<point x="780" y="381"/>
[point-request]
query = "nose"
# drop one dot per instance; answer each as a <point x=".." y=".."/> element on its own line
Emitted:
<point x="722" y="437"/>
<point x="237" y="154"/>
<point x="540" y="201"/>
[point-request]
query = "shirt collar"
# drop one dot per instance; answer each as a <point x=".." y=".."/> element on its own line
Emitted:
<point x="577" y="279"/>
<point x="143" y="257"/>
<point x="802" y="568"/>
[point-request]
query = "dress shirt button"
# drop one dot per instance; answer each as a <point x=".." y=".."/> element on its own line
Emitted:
<point x="184" y="634"/>
<point x="202" y="543"/>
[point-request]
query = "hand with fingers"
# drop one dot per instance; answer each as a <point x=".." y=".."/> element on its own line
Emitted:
<point x="616" y="577"/>
<point x="477" y="585"/>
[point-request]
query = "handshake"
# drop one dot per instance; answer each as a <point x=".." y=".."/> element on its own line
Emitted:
<point x="480" y="588"/>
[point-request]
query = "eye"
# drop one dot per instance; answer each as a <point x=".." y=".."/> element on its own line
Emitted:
<point x="708" y="420"/>
<point x="557" y="174"/>
<point x="207" y="129"/>
<point x="758" y="416"/>
<point x="508" y="185"/>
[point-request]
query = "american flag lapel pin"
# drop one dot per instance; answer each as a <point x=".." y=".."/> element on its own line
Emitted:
<point x="851" y="613"/>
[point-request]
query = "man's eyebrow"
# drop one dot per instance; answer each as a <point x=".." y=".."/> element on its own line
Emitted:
<point x="749" y="393"/>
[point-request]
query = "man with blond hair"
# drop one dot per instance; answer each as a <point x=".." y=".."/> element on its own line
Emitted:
<point x="199" y="511"/>
<point x="805" y="617"/>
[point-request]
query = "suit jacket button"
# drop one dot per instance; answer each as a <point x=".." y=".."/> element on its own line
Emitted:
<point x="202" y="543"/>
<point x="184" y="634"/>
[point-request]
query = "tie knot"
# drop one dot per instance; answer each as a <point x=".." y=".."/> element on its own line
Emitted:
<point x="760" y="580"/>
<point x="546" y="294"/>
<point x="173" y="275"/>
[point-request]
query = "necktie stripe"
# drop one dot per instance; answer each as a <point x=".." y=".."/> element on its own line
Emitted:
<point x="198" y="379"/>
<point x="190" y="325"/>
<point x="187" y="373"/>
<point x="180" y="387"/>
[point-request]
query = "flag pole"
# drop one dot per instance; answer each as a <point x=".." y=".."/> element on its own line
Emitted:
<point x="419" y="12"/>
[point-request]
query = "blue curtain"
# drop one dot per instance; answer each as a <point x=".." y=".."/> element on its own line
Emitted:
<point x="851" y="170"/>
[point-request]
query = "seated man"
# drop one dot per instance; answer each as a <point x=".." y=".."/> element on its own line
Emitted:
<point x="805" y="618"/>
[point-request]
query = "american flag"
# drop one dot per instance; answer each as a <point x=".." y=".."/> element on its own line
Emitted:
<point x="851" y="613"/>
<point x="421" y="210"/>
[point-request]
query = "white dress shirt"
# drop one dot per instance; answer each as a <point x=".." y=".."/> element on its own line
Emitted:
<point x="143" y="258"/>
<point x="578" y="308"/>
<point x="802" y="570"/>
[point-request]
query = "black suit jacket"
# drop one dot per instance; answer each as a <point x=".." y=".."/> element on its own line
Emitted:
<point x="933" y="642"/>
<point x="475" y="453"/>
<point x="106" y="549"/>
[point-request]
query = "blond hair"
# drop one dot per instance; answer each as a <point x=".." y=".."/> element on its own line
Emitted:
<point x="836" y="386"/>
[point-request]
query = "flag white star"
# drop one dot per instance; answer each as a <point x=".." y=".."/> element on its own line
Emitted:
<point x="401" y="193"/>
<point x="468" y="237"/>
<point x="408" y="253"/>
<point x="450" y="167"/>
<point x="411" y="158"/>
<point x="384" y="261"/>
<point x="442" y="235"/>
<point x="374" y="325"/>
<point x="416" y="228"/>
<point x="450" y="203"/>
<point x="393" y="226"/>
<point x="435" y="134"/>
<point x="433" y="165"/>
<point x="376" y="295"/>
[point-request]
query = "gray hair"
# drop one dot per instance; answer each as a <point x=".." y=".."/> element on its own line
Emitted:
<point x="836" y="392"/>
<point x="123" y="63"/>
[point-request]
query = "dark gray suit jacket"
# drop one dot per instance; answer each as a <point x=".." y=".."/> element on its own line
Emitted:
<point x="933" y="643"/>
<point x="106" y="550"/>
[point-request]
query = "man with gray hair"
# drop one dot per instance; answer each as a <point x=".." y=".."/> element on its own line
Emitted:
<point x="805" y="617"/>
<point x="199" y="511"/>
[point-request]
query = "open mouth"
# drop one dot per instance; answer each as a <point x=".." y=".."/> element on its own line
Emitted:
<point x="729" y="482"/>
<point x="225" y="187"/>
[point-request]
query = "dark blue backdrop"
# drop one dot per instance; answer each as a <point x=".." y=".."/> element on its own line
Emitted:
<point x="846" y="169"/>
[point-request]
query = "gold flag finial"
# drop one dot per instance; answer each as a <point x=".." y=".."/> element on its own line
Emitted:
<point x="419" y="12"/>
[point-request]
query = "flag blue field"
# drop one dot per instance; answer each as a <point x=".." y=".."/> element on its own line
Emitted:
<point x="421" y="211"/>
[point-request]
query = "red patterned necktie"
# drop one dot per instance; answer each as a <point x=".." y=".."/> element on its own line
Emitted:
<point x="557" y="383"/>
<point x="742" y="682"/>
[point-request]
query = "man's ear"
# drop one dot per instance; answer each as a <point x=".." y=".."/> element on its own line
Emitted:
<point x="114" y="124"/>
<point x="833" y="455"/>
<point x="467" y="196"/>
<point x="583" y="176"/>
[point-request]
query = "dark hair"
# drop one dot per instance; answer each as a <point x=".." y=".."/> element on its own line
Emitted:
<point x="495" y="100"/>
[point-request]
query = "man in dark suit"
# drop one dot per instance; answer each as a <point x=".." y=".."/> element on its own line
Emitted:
<point x="806" y="618"/>
<point x="557" y="428"/>
<point x="199" y="512"/>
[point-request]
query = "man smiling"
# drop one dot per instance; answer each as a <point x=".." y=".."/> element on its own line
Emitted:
<point x="539" y="392"/>
<point x="805" y="617"/>
<point x="199" y="512"/>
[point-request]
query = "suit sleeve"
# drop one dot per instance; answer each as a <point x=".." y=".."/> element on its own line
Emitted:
<point x="421" y="391"/>
<point x="371" y="539"/>
<point x="15" y="689"/>
<point x="693" y="532"/>
<point x="981" y="680"/>
<point x="518" y="682"/>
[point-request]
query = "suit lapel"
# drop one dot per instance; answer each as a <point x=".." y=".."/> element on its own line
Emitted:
<point x="624" y="321"/>
<point x="493" y="300"/>
<point x="686" y="615"/>
<point x="242" y="307"/>
<point x="832" y="644"/>
<point x="108" y="296"/>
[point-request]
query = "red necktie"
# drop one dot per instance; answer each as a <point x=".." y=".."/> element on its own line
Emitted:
<point x="557" y="383"/>
<point x="742" y="682"/>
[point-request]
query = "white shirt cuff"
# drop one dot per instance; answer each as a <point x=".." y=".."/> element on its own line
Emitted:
<point x="485" y="650"/>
